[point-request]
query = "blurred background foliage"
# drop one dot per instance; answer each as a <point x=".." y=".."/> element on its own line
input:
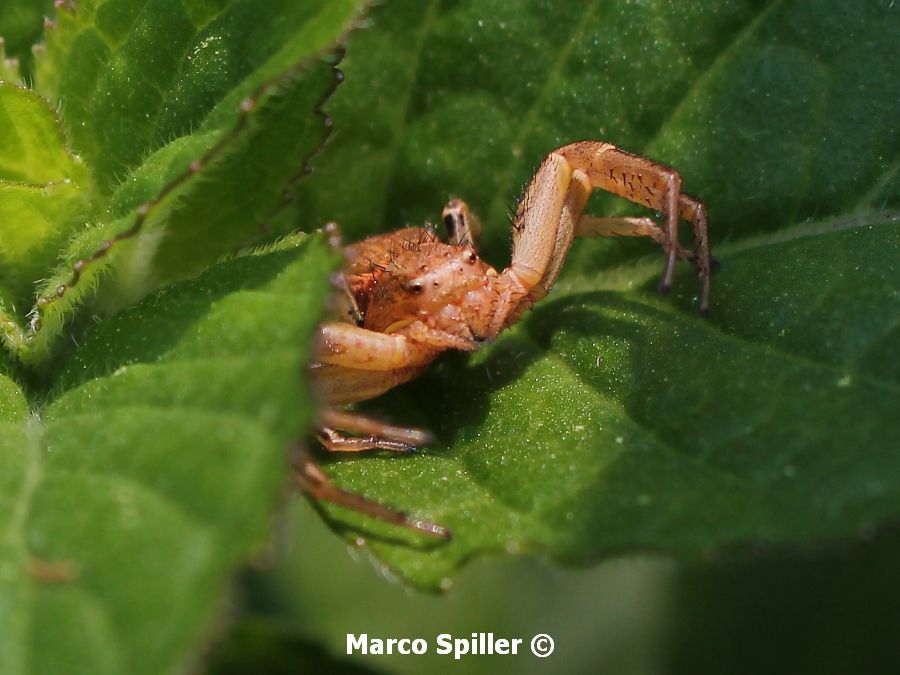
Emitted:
<point x="804" y="611"/>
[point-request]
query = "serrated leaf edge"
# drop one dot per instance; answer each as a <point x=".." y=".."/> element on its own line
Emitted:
<point x="20" y="340"/>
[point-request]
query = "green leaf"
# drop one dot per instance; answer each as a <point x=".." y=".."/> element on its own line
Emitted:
<point x="198" y="217"/>
<point x="43" y="193"/>
<point x="611" y="419"/>
<point x="32" y="149"/>
<point x="151" y="472"/>
<point x="193" y="129"/>
<point x="132" y="76"/>
<point x="144" y="456"/>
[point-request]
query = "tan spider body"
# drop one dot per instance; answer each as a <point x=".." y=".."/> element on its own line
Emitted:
<point x="412" y="296"/>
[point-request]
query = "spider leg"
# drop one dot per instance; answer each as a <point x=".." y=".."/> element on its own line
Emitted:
<point x="355" y="364"/>
<point x="549" y="216"/>
<point x="343" y="344"/>
<point x="316" y="483"/>
<point x="339" y="385"/>
<point x="543" y="230"/>
<point x="440" y="339"/>
<point x="334" y="441"/>
<point x="374" y="434"/>
<point x="463" y="226"/>
<point x="626" y="226"/>
<point x="654" y="185"/>
<point x="343" y="303"/>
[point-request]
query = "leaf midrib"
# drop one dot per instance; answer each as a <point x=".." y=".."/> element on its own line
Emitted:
<point x="114" y="51"/>
<point x="877" y="185"/>
<point x="154" y="136"/>
<point x="744" y="341"/>
<point x="718" y="62"/>
<point x="624" y="278"/>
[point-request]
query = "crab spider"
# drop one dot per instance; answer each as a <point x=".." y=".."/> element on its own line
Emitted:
<point x="412" y="296"/>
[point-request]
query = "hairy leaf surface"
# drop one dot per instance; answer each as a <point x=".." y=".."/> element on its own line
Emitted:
<point x="44" y="193"/>
<point x="151" y="473"/>
<point x="148" y="411"/>
<point x="191" y="121"/>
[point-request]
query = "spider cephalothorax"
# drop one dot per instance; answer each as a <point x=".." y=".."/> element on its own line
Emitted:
<point x="410" y="283"/>
<point x="414" y="296"/>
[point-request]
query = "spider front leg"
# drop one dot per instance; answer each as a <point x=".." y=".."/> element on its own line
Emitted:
<point x="550" y="215"/>
<point x="354" y="364"/>
<point x="373" y="434"/>
<point x="318" y="485"/>
<point x="651" y="184"/>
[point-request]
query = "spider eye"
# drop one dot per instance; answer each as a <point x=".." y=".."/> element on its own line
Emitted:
<point x="416" y="287"/>
<point x="471" y="258"/>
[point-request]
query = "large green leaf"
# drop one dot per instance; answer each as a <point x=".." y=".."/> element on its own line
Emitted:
<point x="132" y="76"/>
<point x="134" y="491"/>
<point x="191" y="128"/>
<point x="611" y="419"/>
<point x="144" y="457"/>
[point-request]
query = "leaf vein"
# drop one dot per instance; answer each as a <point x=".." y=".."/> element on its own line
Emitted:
<point x="505" y="186"/>
<point x="416" y="61"/>
<point x="718" y="61"/>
